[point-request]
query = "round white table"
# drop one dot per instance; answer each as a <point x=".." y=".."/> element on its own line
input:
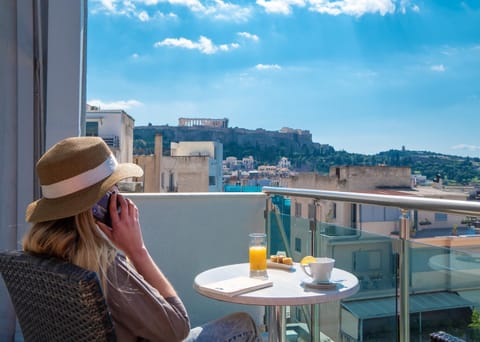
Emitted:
<point x="288" y="289"/>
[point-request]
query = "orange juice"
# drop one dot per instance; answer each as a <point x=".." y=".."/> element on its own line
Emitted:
<point x="258" y="258"/>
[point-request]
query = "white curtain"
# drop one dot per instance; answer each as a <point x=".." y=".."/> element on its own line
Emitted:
<point x="41" y="102"/>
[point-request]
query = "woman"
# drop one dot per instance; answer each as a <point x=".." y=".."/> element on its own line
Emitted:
<point x="76" y="176"/>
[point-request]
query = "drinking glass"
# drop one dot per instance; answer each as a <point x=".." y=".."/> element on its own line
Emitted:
<point x="257" y="254"/>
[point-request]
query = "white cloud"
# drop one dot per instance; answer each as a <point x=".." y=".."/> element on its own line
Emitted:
<point x="407" y="4"/>
<point x="150" y="2"/>
<point x="466" y="147"/>
<point x="161" y="15"/>
<point x="336" y="7"/>
<point x="122" y="104"/>
<point x="204" y="45"/>
<point x="268" y="67"/>
<point x="108" y="4"/>
<point x="352" y="7"/>
<point x="115" y="7"/>
<point x="194" y="5"/>
<point x="128" y="8"/>
<point x="228" y="11"/>
<point x="216" y="9"/>
<point x="247" y="35"/>
<point x="143" y="16"/>
<point x="135" y="56"/>
<point x="438" y="68"/>
<point x="280" y="6"/>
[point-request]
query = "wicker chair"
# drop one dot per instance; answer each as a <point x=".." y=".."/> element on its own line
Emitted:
<point x="55" y="300"/>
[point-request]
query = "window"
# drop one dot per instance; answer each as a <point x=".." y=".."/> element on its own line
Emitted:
<point x="375" y="213"/>
<point x="298" y="245"/>
<point x="298" y="209"/>
<point x="212" y="181"/>
<point x="91" y="129"/>
<point x="392" y="214"/>
<point x="311" y="211"/>
<point x="171" y="184"/>
<point x="441" y="217"/>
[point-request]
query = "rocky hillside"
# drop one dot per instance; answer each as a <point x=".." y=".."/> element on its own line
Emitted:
<point x="267" y="147"/>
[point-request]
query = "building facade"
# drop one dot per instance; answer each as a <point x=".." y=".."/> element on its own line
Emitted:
<point x="191" y="167"/>
<point x="394" y="181"/>
<point x="115" y="127"/>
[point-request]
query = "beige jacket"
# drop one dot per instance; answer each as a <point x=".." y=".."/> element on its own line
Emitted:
<point x="139" y="311"/>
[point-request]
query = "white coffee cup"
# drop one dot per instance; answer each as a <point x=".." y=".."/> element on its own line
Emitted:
<point x="320" y="270"/>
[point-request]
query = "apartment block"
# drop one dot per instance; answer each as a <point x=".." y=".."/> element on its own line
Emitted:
<point x="191" y="167"/>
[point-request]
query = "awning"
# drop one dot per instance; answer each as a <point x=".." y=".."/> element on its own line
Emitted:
<point x="385" y="307"/>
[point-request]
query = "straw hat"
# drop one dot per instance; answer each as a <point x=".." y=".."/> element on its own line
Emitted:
<point x="74" y="174"/>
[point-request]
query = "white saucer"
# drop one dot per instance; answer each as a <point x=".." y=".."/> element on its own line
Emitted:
<point x="322" y="285"/>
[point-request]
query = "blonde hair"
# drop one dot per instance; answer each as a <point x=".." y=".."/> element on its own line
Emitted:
<point x="75" y="239"/>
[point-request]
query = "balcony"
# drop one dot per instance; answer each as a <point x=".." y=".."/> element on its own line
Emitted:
<point x="188" y="233"/>
<point x="438" y="285"/>
<point x="409" y="287"/>
<point x="112" y="141"/>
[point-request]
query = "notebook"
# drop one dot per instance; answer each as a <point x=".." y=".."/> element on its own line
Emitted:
<point x="237" y="285"/>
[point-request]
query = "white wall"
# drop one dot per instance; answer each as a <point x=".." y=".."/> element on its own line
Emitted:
<point x="115" y="123"/>
<point x="188" y="233"/>
<point x="66" y="69"/>
<point x="190" y="148"/>
<point x="30" y="124"/>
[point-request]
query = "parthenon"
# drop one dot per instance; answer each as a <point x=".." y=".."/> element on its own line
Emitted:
<point x="203" y="122"/>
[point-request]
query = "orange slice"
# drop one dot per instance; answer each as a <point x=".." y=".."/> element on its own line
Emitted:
<point x="307" y="259"/>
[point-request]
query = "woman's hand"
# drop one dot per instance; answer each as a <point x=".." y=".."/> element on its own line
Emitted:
<point x="126" y="235"/>
<point x="125" y="232"/>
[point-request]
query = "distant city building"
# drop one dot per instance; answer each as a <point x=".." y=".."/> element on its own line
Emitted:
<point x="284" y="163"/>
<point x="203" y="122"/>
<point x="191" y="167"/>
<point x="243" y="173"/>
<point x="418" y="179"/>
<point x="394" y="181"/>
<point x="267" y="170"/>
<point x="248" y="163"/>
<point x="115" y="127"/>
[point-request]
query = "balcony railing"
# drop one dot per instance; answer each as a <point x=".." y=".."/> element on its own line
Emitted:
<point x="409" y="287"/>
<point x="112" y="141"/>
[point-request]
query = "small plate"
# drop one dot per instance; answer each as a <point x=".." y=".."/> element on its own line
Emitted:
<point x="324" y="285"/>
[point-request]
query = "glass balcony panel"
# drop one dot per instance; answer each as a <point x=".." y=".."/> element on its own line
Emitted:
<point x="370" y="257"/>
<point x="443" y="282"/>
<point x="444" y="289"/>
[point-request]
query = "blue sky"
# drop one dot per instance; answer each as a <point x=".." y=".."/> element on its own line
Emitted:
<point x="364" y="76"/>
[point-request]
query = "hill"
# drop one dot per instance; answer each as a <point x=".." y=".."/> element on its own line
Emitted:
<point x="267" y="147"/>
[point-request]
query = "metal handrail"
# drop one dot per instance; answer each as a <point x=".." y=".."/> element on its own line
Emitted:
<point x="405" y="202"/>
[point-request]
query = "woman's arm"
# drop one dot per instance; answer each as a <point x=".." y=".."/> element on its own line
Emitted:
<point x="138" y="310"/>
<point x="135" y="308"/>
<point x="126" y="235"/>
